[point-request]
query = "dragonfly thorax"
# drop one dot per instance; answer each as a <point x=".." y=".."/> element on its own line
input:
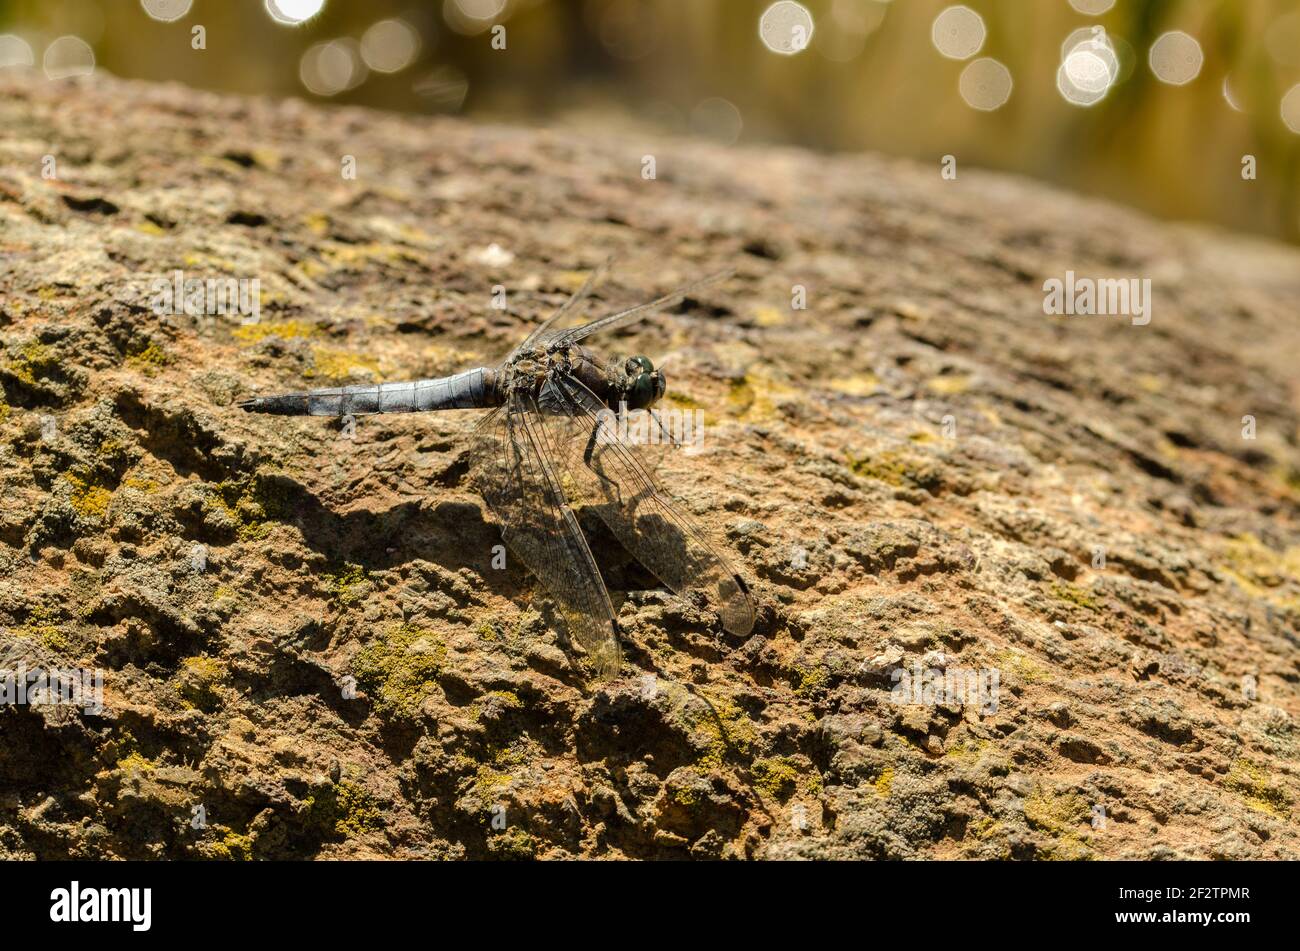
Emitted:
<point x="621" y="384"/>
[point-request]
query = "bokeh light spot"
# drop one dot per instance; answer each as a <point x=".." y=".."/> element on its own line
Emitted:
<point x="68" y="56"/>
<point x="1092" y="8"/>
<point x="293" y="12"/>
<point x="15" y="51"/>
<point x="985" y="84"/>
<point x="1175" y="58"/>
<point x="481" y="9"/>
<point x="1072" y="93"/>
<point x="1283" y="39"/>
<point x="718" y="119"/>
<point x="851" y="23"/>
<point x="328" y="69"/>
<point x="958" y="32"/>
<point x="472" y="17"/>
<point x="1087" y="71"/>
<point x="1123" y="51"/>
<point x="1291" y="108"/>
<point x="1091" y="65"/>
<point x="786" y="27"/>
<point x="445" y="88"/>
<point x="390" y="45"/>
<point x="166" y="10"/>
<point x="1228" y="96"/>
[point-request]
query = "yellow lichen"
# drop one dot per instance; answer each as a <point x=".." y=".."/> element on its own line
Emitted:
<point x="399" y="669"/>
<point x="1074" y="594"/>
<point x="513" y="843"/>
<point x="780" y="777"/>
<point x="718" y="727"/>
<point x="493" y="778"/>
<point x="897" y="469"/>
<point x="1024" y="668"/>
<point x="1253" y="783"/>
<point x="140" y="485"/>
<point x="966" y="750"/>
<point x="55" y="640"/>
<point x="570" y="281"/>
<point x="199" y="681"/>
<point x="340" y="365"/>
<point x="1262" y="572"/>
<point x="248" y="505"/>
<point x="148" y="359"/>
<point x="503" y="698"/>
<point x="88" y="499"/>
<point x="811" y="680"/>
<point x="359" y="257"/>
<point x="983" y="827"/>
<point x="33" y="363"/>
<point x="489" y="782"/>
<point x="136" y="763"/>
<point x="948" y="385"/>
<point x="863" y="385"/>
<point x="233" y="847"/>
<point x="683" y="401"/>
<point x="755" y="397"/>
<point x="349" y="584"/>
<point x="884" y="783"/>
<point x="1057" y="813"/>
<point x="1066" y="818"/>
<point x="43" y="624"/>
<point x="344" y="809"/>
<point x="285" y="329"/>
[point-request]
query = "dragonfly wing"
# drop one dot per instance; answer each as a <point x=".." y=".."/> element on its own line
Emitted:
<point x="567" y="307"/>
<point x="513" y="472"/>
<point x="633" y="314"/>
<point x="653" y="527"/>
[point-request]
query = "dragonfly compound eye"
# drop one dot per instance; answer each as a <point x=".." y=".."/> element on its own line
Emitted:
<point x="642" y="392"/>
<point x="639" y="364"/>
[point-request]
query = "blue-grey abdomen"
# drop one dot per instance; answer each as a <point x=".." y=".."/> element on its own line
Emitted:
<point x="469" y="390"/>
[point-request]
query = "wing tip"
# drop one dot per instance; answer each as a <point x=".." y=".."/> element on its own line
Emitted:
<point x="606" y="656"/>
<point x="738" y="613"/>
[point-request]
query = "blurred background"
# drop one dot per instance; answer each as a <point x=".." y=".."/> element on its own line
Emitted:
<point x="1151" y="102"/>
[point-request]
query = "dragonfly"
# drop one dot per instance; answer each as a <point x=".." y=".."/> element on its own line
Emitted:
<point x="541" y="453"/>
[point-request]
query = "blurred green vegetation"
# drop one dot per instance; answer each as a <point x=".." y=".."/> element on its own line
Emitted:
<point x="871" y="79"/>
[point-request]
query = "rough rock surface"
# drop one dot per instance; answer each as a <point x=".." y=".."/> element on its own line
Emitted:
<point x="919" y="468"/>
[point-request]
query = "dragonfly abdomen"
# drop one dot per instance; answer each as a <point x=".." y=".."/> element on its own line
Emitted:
<point x="473" y="389"/>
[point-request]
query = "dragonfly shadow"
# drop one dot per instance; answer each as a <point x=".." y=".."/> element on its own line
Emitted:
<point x="619" y="568"/>
<point x="452" y="534"/>
<point x="449" y="549"/>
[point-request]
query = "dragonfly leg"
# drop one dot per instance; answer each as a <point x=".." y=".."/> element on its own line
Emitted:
<point x="587" y="455"/>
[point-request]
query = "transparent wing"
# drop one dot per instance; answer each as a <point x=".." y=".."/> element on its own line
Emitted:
<point x="662" y="440"/>
<point x="567" y="307"/>
<point x="625" y="317"/>
<point x="653" y="527"/>
<point x="512" y="471"/>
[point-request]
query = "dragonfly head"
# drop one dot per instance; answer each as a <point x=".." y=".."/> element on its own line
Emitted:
<point x="645" y="384"/>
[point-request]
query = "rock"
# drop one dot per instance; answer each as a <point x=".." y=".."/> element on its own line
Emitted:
<point x="300" y="623"/>
<point x="1059" y="713"/>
